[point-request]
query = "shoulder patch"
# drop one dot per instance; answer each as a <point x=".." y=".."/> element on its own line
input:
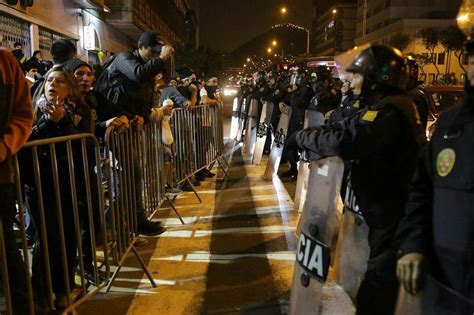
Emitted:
<point x="370" y="115"/>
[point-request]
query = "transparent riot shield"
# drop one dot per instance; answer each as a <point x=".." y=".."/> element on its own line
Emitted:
<point x="262" y="131"/>
<point x="318" y="224"/>
<point x="278" y="144"/>
<point x="408" y="304"/>
<point x="251" y="130"/>
<point x="234" y="125"/>
<point x="242" y="119"/>
<point x="312" y="119"/>
<point x="352" y="250"/>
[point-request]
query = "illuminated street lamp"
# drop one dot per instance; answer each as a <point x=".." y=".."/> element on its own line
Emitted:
<point x="269" y="50"/>
<point x="274" y="43"/>
<point x="465" y="18"/>
<point x="283" y="10"/>
<point x="334" y="11"/>
<point x="248" y="59"/>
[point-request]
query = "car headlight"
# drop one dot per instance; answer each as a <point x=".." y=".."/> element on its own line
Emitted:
<point x="229" y="92"/>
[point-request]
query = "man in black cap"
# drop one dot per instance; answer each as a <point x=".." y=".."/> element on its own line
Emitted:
<point x="128" y="82"/>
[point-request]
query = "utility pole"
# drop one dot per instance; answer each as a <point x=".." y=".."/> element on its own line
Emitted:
<point x="364" y="22"/>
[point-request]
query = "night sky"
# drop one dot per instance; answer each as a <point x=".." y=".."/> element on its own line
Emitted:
<point x="227" y="24"/>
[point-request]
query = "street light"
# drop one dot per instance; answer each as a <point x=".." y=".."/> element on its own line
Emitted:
<point x="248" y="59"/>
<point x="283" y="10"/>
<point x="269" y="50"/>
<point x="274" y="43"/>
<point x="334" y="11"/>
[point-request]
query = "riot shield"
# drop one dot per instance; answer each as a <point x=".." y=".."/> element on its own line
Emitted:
<point x="312" y="119"/>
<point x="352" y="250"/>
<point x="234" y="125"/>
<point x="262" y="131"/>
<point x="251" y="129"/>
<point x="278" y="144"/>
<point x="242" y="119"/>
<point x="440" y="299"/>
<point x="318" y="224"/>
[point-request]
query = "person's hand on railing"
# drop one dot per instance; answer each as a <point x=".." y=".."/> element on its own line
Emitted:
<point x="120" y="124"/>
<point x="56" y="111"/>
<point x="138" y="122"/>
<point x="167" y="110"/>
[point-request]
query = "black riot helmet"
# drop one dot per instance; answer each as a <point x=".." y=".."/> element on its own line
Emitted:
<point x="260" y="78"/>
<point x="412" y="71"/>
<point x="382" y="67"/>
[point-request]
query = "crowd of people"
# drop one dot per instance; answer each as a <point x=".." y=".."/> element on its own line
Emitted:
<point x="67" y="97"/>
<point x="404" y="187"/>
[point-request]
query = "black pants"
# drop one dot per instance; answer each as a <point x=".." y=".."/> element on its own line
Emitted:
<point x="378" y="291"/>
<point x="53" y="235"/>
<point x="16" y="268"/>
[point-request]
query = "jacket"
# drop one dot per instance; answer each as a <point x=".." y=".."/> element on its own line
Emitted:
<point x="16" y="114"/>
<point x="132" y="82"/>
<point x="383" y="141"/>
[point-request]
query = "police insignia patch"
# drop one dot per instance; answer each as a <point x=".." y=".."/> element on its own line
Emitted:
<point x="445" y="162"/>
<point x="370" y="115"/>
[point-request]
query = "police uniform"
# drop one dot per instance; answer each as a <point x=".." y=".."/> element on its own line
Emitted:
<point x="382" y="141"/>
<point x="439" y="221"/>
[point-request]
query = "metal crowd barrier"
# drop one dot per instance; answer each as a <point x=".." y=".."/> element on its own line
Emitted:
<point x="198" y="141"/>
<point x="133" y="167"/>
<point x="63" y="182"/>
<point x="62" y="186"/>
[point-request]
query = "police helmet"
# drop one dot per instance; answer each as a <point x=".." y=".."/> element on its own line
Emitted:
<point x="382" y="67"/>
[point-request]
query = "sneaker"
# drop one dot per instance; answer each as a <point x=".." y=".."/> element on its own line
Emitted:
<point x="289" y="174"/>
<point x="170" y="191"/>
<point x="89" y="275"/>
<point x="196" y="181"/>
<point x="149" y="228"/>
<point x="210" y="174"/>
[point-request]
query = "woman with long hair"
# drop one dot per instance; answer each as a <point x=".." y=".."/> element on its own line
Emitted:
<point x="59" y="111"/>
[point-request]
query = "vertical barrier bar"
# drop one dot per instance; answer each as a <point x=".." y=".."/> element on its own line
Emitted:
<point x="43" y="235"/>
<point x="59" y="213"/>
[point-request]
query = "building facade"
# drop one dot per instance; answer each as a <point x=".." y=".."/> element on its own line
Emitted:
<point x="379" y="20"/>
<point x="334" y="27"/>
<point x="106" y="26"/>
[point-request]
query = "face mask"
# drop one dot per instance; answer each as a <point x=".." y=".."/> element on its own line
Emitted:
<point x="211" y="88"/>
<point x="356" y="84"/>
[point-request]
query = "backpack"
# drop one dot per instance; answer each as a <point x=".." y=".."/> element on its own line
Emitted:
<point x="103" y="84"/>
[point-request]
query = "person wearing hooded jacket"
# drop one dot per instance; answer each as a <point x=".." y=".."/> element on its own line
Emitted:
<point x="382" y="141"/>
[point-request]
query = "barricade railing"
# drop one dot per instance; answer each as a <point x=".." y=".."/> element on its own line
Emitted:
<point x="61" y="182"/>
<point x="198" y="141"/>
<point x="133" y="167"/>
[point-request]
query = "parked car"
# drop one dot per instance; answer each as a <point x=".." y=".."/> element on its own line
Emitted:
<point x="439" y="98"/>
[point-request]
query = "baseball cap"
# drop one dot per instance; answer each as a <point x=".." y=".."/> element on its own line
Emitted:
<point x="153" y="40"/>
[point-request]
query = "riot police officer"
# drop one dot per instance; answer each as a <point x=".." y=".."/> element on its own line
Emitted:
<point x="276" y="94"/>
<point x="299" y="101"/>
<point x="438" y="229"/>
<point x="382" y="141"/>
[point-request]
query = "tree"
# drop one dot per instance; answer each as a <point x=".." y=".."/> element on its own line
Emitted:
<point x="452" y="38"/>
<point x="400" y="41"/>
<point x="430" y="39"/>
<point x="422" y="60"/>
